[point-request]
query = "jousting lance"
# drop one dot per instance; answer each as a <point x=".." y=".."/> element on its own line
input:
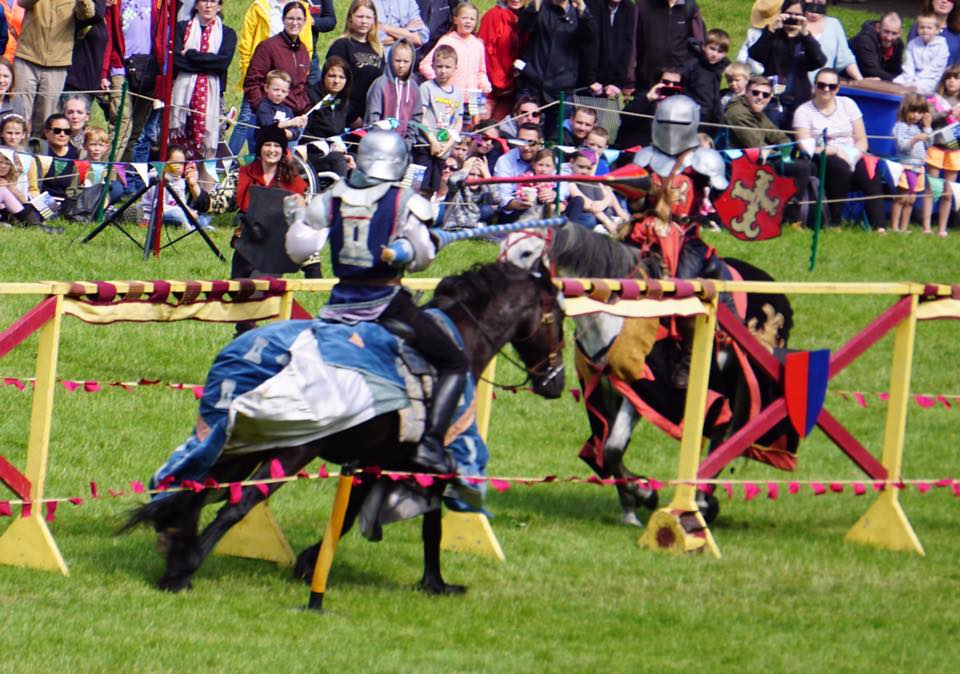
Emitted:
<point x="400" y="252"/>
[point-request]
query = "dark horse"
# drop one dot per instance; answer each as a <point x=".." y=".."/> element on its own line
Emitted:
<point x="491" y="306"/>
<point x="610" y="349"/>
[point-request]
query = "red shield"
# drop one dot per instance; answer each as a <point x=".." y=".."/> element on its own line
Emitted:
<point x="752" y="207"/>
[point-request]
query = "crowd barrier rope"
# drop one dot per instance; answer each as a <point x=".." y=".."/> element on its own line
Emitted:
<point x="678" y="527"/>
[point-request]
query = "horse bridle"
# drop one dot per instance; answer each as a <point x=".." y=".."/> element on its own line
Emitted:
<point x="554" y="359"/>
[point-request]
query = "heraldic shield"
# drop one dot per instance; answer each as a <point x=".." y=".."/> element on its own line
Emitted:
<point x="752" y="207"/>
<point x="806" y="375"/>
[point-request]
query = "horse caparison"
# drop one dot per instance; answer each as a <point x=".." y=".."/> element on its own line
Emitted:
<point x="575" y="251"/>
<point x="492" y="306"/>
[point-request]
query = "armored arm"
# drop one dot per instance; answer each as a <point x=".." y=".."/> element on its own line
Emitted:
<point x="309" y="225"/>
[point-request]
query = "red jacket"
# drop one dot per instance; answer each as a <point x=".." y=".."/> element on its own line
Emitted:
<point x="503" y="43"/>
<point x="113" y="55"/>
<point x="278" y="53"/>
<point x="252" y="174"/>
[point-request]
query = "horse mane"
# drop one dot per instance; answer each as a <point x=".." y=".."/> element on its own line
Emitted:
<point x="477" y="286"/>
<point x="580" y="252"/>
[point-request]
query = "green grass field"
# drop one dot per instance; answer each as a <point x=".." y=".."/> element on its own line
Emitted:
<point x="576" y="592"/>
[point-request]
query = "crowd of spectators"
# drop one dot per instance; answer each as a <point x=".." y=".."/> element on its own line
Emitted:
<point x="469" y="91"/>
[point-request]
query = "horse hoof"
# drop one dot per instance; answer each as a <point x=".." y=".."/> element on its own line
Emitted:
<point x="306" y="563"/>
<point x="174" y="584"/>
<point x="439" y="588"/>
<point x="630" y="520"/>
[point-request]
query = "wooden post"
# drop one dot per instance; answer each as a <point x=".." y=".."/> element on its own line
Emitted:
<point x="329" y="544"/>
<point x="885" y="525"/>
<point x="680" y="527"/>
<point x="28" y="542"/>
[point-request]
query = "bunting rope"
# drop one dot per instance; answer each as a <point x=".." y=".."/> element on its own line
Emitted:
<point x="750" y="488"/>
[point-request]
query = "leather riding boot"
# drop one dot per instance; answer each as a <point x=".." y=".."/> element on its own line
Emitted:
<point x="431" y="454"/>
<point x="681" y="371"/>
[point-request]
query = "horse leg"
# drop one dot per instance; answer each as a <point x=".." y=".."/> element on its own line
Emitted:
<point x="189" y="558"/>
<point x="432" y="581"/>
<point x="630" y="493"/>
<point x="179" y="541"/>
<point x="307" y="559"/>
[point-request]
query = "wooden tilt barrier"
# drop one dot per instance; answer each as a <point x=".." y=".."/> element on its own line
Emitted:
<point x="28" y="541"/>
<point x="678" y="527"/>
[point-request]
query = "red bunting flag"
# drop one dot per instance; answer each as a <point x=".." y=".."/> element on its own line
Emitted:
<point x="500" y="485"/>
<point x="276" y="470"/>
<point x="859" y="489"/>
<point x="94" y="492"/>
<point x="836" y="487"/>
<point x="793" y="488"/>
<point x="236" y="491"/>
<point x="750" y="491"/>
<point x="818" y="488"/>
<point x="5" y="509"/>
<point x="51" y="511"/>
<point x="773" y="491"/>
<point x="137" y="486"/>
<point x="423" y="480"/>
<point x="26" y="509"/>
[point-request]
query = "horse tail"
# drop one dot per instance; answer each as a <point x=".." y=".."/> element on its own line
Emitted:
<point x="161" y="513"/>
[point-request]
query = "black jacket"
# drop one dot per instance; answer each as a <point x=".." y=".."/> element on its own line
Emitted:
<point x="608" y="52"/>
<point x="866" y="47"/>
<point x="660" y="39"/>
<point x="789" y="59"/>
<point x="553" y="48"/>
<point x="701" y="82"/>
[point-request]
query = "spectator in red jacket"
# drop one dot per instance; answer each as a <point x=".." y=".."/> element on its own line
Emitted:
<point x="504" y="44"/>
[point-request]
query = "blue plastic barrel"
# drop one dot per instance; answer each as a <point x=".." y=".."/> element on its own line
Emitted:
<point x="879" y="115"/>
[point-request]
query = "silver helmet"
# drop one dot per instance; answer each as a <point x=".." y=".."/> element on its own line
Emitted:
<point x="383" y="155"/>
<point x="675" y="125"/>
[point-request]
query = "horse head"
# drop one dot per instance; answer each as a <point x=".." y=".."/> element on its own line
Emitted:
<point x="539" y="337"/>
<point x="501" y="303"/>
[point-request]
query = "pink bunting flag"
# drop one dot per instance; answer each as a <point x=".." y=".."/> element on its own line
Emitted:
<point x="5" y="509"/>
<point x="322" y="473"/>
<point x="655" y="484"/>
<point x="12" y="381"/>
<point x="236" y="491"/>
<point x="210" y="483"/>
<point x="276" y="470"/>
<point x="193" y="485"/>
<point x="878" y="485"/>
<point x="944" y="482"/>
<point x="750" y="491"/>
<point x="197" y="392"/>
<point x="943" y="400"/>
<point x="423" y="480"/>
<point x="884" y="396"/>
<point x="94" y="492"/>
<point x="76" y="500"/>
<point x="303" y="475"/>
<point x="593" y="479"/>
<point x="727" y="487"/>
<point x="70" y="385"/>
<point x="575" y="392"/>
<point x="773" y="491"/>
<point x="121" y="173"/>
<point x="91" y="386"/>
<point x="956" y="489"/>
<point x="860" y="398"/>
<point x="137" y="486"/>
<point x="263" y="489"/>
<point x="793" y="488"/>
<point x="859" y="489"/>
<point x="26" y="509"/>
<point x="500" y="485"/>
<point x="923" y="487"/>
<point x="925" y="401"/>
<point x="818" y="488"/>
<point x="836" y="487"/>
<point x="51" y="511"/>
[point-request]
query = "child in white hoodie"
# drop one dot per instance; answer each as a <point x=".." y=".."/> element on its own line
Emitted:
<point x="925" y="57"/>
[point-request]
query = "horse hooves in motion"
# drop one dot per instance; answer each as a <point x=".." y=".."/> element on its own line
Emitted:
<point x="489" y="306"/>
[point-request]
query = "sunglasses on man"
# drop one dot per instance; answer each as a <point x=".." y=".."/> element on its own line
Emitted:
<point x="761" y="94"/>
<point x="827" y="86"/>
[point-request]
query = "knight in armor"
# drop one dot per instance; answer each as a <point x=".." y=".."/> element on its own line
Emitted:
<point x="367" y="217"/>
<point x="669" y="225"/>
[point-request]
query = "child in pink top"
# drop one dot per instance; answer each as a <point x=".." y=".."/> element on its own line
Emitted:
<point x="471" y="70"/>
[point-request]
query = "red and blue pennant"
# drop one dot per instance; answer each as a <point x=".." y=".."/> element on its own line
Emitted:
<point x="806" y="376"/>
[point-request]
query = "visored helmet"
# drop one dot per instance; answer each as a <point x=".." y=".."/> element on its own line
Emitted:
<point x="383" y="155"/>
<point x="675" y="125"/>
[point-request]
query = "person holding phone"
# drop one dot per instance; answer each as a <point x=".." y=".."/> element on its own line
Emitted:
<point x="636" y="130"/>
<point x="788" y="52"/>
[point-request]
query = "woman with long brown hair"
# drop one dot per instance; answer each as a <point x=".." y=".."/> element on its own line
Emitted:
<point x="360" y="47"/>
